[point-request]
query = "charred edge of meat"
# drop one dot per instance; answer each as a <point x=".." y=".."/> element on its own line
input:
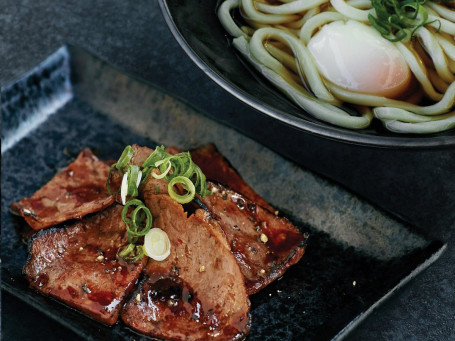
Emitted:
<point x="15" y="211"/>
<point x="200" y="204"/>
<point x="35" y="236"/>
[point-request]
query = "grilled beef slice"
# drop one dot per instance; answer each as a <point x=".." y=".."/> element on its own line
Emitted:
<point x="198" y="292"/>
<point x="78" y="190"/>
<point x="78" y="265"/>
<point x="264" y="244"/>
<point x="243" y="221"/>
<point x="217" y="168"/>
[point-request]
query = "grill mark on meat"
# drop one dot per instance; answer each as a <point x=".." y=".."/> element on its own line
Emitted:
<point x="197" y="293"/>
<point x="264" y="245"/>
<point x="78" y="190"/>
<point x="77" y="265"/>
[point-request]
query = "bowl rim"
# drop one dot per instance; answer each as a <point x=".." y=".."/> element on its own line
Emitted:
<point x="320" y="129"/>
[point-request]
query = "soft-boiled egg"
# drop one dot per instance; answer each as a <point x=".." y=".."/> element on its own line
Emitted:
<point x="356" y="57"/>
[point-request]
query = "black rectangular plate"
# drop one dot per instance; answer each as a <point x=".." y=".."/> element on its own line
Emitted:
<point x="357" y="255"/>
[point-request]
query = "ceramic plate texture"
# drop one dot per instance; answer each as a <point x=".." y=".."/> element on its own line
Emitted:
<point x="195" y="26"/>
<point x="356" y="257"/>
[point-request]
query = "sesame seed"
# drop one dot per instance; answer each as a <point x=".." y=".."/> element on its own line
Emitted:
<point x="262" y="271"/>
<point x="100" y="258"/>
<point x="202" y="268"/>
<point x="138" y="298"/>
<point x="81" y="248"/>
<point x="264" y="238"/>
<point x="277" y="212"/>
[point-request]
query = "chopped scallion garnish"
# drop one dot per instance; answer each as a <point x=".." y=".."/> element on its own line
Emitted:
<point x="398" y="20"/>
<point x="178" y="170"/>
<point x="187" y="185"/>
<point x="157" y="244"/>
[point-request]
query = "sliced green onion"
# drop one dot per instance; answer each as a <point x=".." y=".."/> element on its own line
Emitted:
<point x="177" y="169"/>
<point x="164" y="170"/>
<point x="158" y="154"/>
<point x="133" y="202"/>
<point x="137" y="220"/>
<point x="126" y="156"/>
<point x="133" y="174"/>
<point x="124" y="159"/>
<point x="187" y="185"/>
<point x="399" y="19"/>
<point x="157" y="244"/>
<point x="138" y="224"/>
<point x="131" y="253"/>
<point x="124" y="188"/>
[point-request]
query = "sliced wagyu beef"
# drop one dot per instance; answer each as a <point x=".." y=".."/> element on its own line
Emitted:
<point x="78" y="190"/>
<point x="78" y="264"/>
<point x="198" y="292"/>
<point x="264" y="244"/>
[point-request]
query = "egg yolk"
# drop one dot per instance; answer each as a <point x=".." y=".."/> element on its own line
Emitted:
<point x="356" y="57"/>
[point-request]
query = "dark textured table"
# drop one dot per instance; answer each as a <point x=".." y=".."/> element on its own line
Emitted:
<point x="134" y="37"/>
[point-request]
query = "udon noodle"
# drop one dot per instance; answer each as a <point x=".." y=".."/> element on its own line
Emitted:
<point x="274" y="36"/>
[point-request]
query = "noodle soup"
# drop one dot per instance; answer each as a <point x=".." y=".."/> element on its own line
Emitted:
<point x="341" y="61"/>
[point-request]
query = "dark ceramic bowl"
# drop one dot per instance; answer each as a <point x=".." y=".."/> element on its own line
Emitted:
<point x="196" y="27"/>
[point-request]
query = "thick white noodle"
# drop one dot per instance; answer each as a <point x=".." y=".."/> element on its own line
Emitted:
<point x="285" y="58"/>
<point x="253" y="14"/>
<point x="447" y="45"/>
<point x="441" y="107"/>
<point x="318" y="20"/>
<point x="350" y="11"/>
<point x="319" y="109"/>
<point x="437" y="81"/>
<point x="361" y="4"/>
<point x="388" y="113"/>
<point x="224" y="15"/>
<point x="293" y="7"/>
<point x="421" y="127"/>
<point x="418" y="69"/>
<point x="308" y="15"/>
<point x="441" y="10"/>
<point x="293" y="22"/>
<point x="441" y="24"/>
<point x="303" y="57"/>
<point x="436" y="53"/>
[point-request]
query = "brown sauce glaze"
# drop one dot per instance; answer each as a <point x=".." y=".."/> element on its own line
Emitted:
<point x="78" y="190"/>
<point x="197" y="293"/>
<point x="78" y="265"/>
<point x="263" y="244"/>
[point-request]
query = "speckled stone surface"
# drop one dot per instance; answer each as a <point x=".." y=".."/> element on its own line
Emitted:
<point x="134" y="37"/>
